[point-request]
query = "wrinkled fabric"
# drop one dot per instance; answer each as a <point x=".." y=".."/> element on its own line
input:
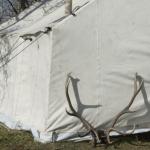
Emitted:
<point x="103" y="47"/>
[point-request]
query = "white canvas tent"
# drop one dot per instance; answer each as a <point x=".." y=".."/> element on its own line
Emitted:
<point x="104" y="45"/>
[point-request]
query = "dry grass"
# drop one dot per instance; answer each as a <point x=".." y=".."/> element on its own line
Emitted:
<point x="24" y="141"/>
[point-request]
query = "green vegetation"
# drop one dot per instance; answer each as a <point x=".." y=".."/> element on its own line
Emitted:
<point x="19" y="140"/>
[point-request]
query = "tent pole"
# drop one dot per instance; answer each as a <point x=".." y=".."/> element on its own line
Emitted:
<point x="68" y="7"/>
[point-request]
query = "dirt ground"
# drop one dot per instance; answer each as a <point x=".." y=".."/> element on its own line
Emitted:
<point x="12" y="140"/>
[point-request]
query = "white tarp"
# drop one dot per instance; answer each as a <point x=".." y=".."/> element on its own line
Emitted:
<point x="103" y="46"/>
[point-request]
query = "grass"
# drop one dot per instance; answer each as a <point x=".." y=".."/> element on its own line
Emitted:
<point x="19" y="140"/>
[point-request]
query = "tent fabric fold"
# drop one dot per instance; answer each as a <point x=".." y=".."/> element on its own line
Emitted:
<point x="103" y="46"/>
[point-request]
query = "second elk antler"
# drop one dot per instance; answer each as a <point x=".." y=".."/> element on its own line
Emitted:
<point x="125" y="111"/>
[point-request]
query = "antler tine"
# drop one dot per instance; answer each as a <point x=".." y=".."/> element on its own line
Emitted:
<point x="74" y="113"/>
<point x="135" y="82"/>
<point x="86" y="124"/>
<point x="136" y="92"/>
<point x="119" y="132"/>
<point x="123" y="133"/>
<point x="124" y="111"/>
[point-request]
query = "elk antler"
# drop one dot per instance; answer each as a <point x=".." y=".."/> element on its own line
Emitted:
<point x="86" y="124"/>
<point x="125" y="111"/>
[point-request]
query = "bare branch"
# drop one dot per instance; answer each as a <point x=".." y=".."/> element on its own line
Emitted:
<point x="14" y="9"/>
